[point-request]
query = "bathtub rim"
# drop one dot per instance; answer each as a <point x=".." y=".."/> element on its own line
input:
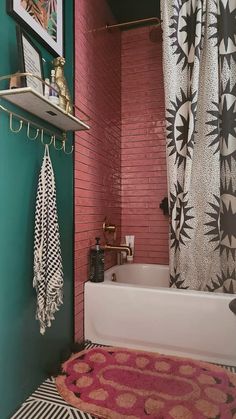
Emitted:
<point x="109" y="282"/>
<point x="163" y="290"/>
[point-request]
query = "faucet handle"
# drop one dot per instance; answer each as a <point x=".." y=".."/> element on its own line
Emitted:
<point x="107" y="227"/>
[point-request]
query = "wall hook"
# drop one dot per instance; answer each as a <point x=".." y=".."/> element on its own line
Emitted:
<point x="28" y="133"/>
<point x="42" y="138"/>
<point x="54" y="144"/>
<point x="64" y="148"/>
<point x="11" y="127"/>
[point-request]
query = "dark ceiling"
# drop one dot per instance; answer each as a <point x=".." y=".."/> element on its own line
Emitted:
<point x="127" y="10"/>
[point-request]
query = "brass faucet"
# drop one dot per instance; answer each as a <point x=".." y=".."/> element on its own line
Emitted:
<point x="121" y="248"/>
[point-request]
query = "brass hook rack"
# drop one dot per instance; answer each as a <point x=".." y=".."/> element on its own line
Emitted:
<point x="31" y="123"/>
<point x="39" y="128"/>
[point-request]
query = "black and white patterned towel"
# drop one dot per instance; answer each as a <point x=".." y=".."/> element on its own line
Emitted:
<point x="48" y="271"/>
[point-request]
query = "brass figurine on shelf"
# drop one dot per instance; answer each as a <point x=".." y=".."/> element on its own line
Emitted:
<point x="65" y="101"/>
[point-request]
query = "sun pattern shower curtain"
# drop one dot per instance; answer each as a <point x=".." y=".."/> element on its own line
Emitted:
<point x="199" y="50"/>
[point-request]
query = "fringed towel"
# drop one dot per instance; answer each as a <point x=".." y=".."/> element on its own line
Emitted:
<point x="48" y="272"/>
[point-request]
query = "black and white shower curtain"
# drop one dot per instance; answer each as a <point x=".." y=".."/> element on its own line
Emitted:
<point x="199" y="50"/>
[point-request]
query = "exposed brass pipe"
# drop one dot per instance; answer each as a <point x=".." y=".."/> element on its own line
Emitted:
<point x="120" y="248"/>
<point x="154" y="20"/>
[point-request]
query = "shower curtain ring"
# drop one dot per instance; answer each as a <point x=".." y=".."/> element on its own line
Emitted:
<point x="42" y="138"/>
<point x="54" y="144"/>
<point x="64" y="148"/>
<point x="11" y="127"/>
<point x="28" y="133"/>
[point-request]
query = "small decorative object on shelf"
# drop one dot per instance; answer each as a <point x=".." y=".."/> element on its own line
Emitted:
<point x="53" y="91"/>
<point x="64" y="97"/>
<point x="47" y="88"/>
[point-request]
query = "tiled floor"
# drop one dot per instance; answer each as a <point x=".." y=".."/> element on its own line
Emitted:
<point x="46" y="403"/>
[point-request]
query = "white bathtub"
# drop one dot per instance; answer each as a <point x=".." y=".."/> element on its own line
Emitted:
<point x="140" y="311"/>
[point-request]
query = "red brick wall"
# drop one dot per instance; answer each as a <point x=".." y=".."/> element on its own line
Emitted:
<point x="98" y="151"/>
<point x="144" y="182"/>
<point x="101" y="153"/>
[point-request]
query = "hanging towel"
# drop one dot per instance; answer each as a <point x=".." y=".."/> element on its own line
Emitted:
<point x="48" y="271"/>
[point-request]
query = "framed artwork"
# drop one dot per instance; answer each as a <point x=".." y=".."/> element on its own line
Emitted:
<point x="30" y="61"/>
<point x="42" y="18"/>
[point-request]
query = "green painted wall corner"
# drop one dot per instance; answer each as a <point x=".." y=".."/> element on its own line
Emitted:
<point x="25" y="355"/>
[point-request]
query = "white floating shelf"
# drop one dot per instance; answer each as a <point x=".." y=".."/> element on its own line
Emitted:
<point x="31" y="101"/>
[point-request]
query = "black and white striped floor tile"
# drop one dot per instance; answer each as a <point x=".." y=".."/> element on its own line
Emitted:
<point x="228" y="368"/>
<point x="46" y="403"/>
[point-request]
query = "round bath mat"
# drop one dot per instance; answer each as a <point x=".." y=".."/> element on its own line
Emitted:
<point x="118" y="383"/>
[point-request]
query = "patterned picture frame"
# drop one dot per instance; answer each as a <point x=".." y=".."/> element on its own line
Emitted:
<point x="42" y="19"/>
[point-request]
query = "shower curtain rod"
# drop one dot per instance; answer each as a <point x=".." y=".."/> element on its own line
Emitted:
<point x="135" y="22"/>
<point x="151" y="20"/>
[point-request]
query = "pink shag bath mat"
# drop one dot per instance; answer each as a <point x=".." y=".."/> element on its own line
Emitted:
<point x="120" y="383"/>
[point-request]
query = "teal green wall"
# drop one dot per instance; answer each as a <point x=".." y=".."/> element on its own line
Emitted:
<point x="25" y="355"/>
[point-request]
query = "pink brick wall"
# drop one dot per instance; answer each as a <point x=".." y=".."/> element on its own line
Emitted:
<point x="98" y="151"/>
<point x="131" y="142"/>
<point x="144" y="182"/>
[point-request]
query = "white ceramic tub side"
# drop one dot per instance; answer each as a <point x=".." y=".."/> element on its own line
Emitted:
<point x="149" y="316"/>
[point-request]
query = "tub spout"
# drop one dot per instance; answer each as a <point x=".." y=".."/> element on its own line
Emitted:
<point x="113" y="277"/>
<point x="126" y="249"/>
